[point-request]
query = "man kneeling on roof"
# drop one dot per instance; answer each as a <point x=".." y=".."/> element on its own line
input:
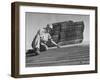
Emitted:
<point x="41" y="38"/>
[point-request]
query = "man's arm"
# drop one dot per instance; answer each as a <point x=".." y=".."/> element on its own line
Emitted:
<point x="55" y="43"/>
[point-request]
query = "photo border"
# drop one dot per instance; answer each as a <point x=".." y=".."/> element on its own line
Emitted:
<point x="15" y="32"/>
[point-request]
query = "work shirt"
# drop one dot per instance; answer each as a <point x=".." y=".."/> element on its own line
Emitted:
<point x="44" y="36"/>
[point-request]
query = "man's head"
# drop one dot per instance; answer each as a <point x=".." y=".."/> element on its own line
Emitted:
<point x="49" y="27"/>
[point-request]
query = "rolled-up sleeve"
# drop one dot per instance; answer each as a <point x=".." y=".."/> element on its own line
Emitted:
<point x="49" y="36"/>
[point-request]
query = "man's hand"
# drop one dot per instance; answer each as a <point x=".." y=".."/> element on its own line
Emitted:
<point x="58" y="46"/>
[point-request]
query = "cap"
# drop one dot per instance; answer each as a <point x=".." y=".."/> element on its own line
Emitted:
<point x="49" y="26"/>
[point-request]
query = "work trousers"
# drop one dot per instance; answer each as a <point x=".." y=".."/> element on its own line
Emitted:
<point x="38" y="43"/>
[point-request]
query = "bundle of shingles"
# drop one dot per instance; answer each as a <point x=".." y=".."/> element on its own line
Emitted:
<point x="67" y="32"/>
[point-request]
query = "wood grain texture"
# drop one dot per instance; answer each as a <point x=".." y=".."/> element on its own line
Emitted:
<point x="74" y="55"/>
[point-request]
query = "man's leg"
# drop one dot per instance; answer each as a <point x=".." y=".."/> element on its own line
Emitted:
<point x="43" y="47"/>
<point x="36" y="44"/>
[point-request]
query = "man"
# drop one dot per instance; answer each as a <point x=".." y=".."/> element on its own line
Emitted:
<point x="41" y="38"/>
